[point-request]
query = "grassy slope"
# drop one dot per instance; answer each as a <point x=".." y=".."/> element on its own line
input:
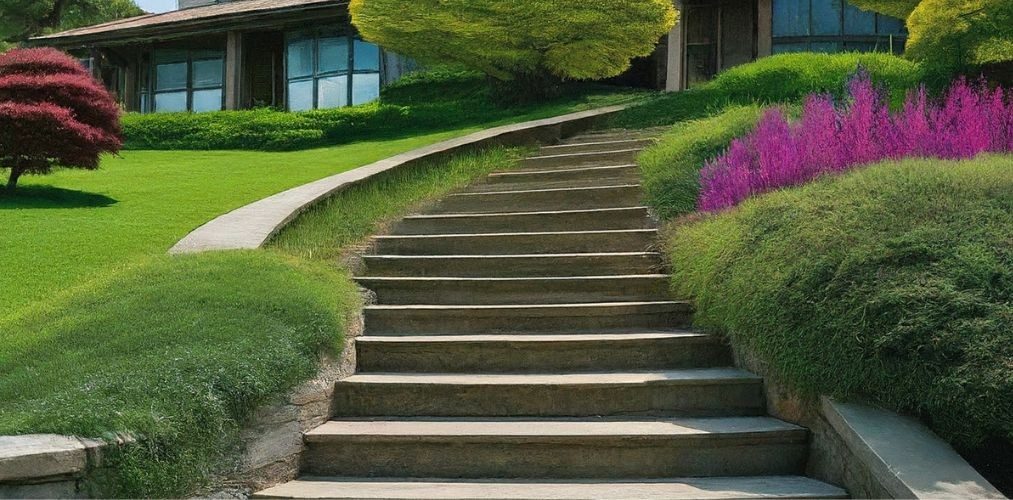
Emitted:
<point x="892" y="284"/>
<point x="783" y="78"/>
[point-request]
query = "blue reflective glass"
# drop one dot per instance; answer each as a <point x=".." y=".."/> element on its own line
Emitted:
<point x="332" y="92"/>
<point x="170" y="102"/>
<point x="365" y="87"/>
<point x="791" y="17"/>
<point x="333" y="54"/>
<point x="300" y="96"/>
<point x="367" y="56"/>
<point x="207" y="100"/>
<point x="890" y="25"/>
<point x="858" y="22"/>
<point x="300" y="58"/>
<point x="784" y="48"/>
<point x="826" y="16"/>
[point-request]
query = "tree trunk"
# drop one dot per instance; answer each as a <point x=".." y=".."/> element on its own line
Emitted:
<point x="12" y="182"/>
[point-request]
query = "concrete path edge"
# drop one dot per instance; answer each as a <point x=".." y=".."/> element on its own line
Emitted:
<point x="252" y="226"/>
<point x="907" y="459"/>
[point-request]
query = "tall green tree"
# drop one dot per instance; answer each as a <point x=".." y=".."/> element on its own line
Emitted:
<point x="953" y="36"/>
<point x="519" y="39"/>
<point x="23" y="19"/>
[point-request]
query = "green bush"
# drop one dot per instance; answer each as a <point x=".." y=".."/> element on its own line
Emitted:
<point x="519" y="40"/>
<point x="420" y="103"/>
<point x="177" y="351"/>
<point x="671" y="168"/>
<point x="892" y="284"/>
<point x="775" y="79"/>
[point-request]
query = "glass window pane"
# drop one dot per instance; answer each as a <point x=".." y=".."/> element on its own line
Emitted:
<point x="791" y="17"/>
<point x="170" y="76"/>
<point x="829" y="47"/>
<point x="170" y="102"/>
<point x="891" y="25"/>
<point x="300" y="58"/>
<point x="365" y="87"/>
<point x="858" y="22"/>
<point x="333" y="54"/>
<point x="332" y="92"/>
<point x="208" y="73"/>
<point x="207" y="100"/>
<point x="367" y="56"/>
<point x="784" y="48"/>
<point x="827" y="17"/>
<point x="300" y="95"/>
<point x="163" y="56"/>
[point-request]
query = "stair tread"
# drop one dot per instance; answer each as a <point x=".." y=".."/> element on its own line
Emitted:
<point x="515" y="256"/>
<point x="550" y="190"/>
<point x="534" y="338"/>
<point x="525" y="173"/>
<point x="514" y="427"/>
<point x="714" y="488"/>
<point x="495" y="235"/>
<point x="586" y="154"/>
<point x="674" y="377"/>
<point x="483" y="307"/>
<point x="521" y="214"/>
<point x="512" y="279"/>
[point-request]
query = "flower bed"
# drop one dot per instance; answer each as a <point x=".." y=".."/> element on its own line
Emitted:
<point x="833" y="137"/>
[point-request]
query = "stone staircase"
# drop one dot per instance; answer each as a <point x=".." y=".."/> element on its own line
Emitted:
<point x="524" y="346"/>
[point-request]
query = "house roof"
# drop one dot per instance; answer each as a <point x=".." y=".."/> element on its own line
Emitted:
<point x="218" y="17"/>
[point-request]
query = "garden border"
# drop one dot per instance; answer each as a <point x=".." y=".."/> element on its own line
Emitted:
<point x="252" y="226"/>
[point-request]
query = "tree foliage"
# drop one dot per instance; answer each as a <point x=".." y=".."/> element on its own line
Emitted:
<point x="23" y="19"/>
<point x="953" y="36"/>
<point x="52" y="113"/>
<point x="519" y="39"/>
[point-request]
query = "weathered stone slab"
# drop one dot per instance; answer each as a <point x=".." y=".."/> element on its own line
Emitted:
<point x="39" y="456"/>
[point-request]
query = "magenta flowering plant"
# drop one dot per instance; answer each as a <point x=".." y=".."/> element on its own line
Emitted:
<point x="833" y="137"/>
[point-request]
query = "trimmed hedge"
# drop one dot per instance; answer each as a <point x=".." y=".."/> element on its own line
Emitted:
<point x="785" y="78"/>
<point x="892" y="284"/>
<point x="671" y="168"/>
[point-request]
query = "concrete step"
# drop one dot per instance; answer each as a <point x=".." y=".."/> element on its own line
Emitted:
<point x="487" y="187"/>
<point x="576" y="264"/>
<point x="556" y="448"/>
<point x="626" y="240"/>
<point x="515" y="222"/>
<point x="606" y="157"/>
<point x="537" y="200"/>
<point x="628" y="172"/>
<point x="524" y="318"/>
<point x="646" y="350"/>
<point x="702" y="488"/>
<point x="693" y="392"/>
<point x="594" y="145"/>
<point x="615" y="135"/>
<point x="553" y="290"/>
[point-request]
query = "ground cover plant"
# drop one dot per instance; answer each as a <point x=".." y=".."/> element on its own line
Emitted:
<point x="52" y="112"/>
<point x="420" y="103"/>
<point x="834" y="137"/>
<point x="891" y="285"/>
<point x="785" y="78"/>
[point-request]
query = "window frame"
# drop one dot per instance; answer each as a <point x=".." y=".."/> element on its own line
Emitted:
<point x="150" y="91"/>
<point x="891" y="41"/>
<point x="316" y="35"/>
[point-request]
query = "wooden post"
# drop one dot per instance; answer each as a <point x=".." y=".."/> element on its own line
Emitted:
<point x="675" y="77"/>
<point x="764" y="28"/>
<point x="234" y="70"/>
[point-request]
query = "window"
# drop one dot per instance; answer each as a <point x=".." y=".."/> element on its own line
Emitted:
<point x="833" y="26"/>
<point x="183" y="80"/>
<point x="330" y="70"/>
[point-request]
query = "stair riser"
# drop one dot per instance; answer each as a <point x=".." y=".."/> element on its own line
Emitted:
<point x="401" y="322"/>
<point x="540" y="357"/>
<point x="535" y="201"/>
<point x="581" y="221"/>
<point x="515" y="266"/>
<point x="734" y="398"/>
<point x="595" y="146"/>
<point x="630" y="174"/>
<point x="609" y="136"/>
<point x="516" y="244"/>
<point x="518" y="292"/>
<point x="640" y="457"/>
<point x="539" y="185"/>
<point x="568" y="160"/>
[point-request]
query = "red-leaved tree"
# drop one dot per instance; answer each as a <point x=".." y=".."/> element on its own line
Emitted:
<point x="52" y="113"/>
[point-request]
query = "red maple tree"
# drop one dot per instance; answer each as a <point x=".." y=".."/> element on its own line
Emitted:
<point x="52" y="113"/>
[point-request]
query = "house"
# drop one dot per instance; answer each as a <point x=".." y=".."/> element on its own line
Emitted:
<point x="304" y="54"/>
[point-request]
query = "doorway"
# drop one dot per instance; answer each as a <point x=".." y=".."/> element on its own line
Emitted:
<point x="719" y="35"/>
